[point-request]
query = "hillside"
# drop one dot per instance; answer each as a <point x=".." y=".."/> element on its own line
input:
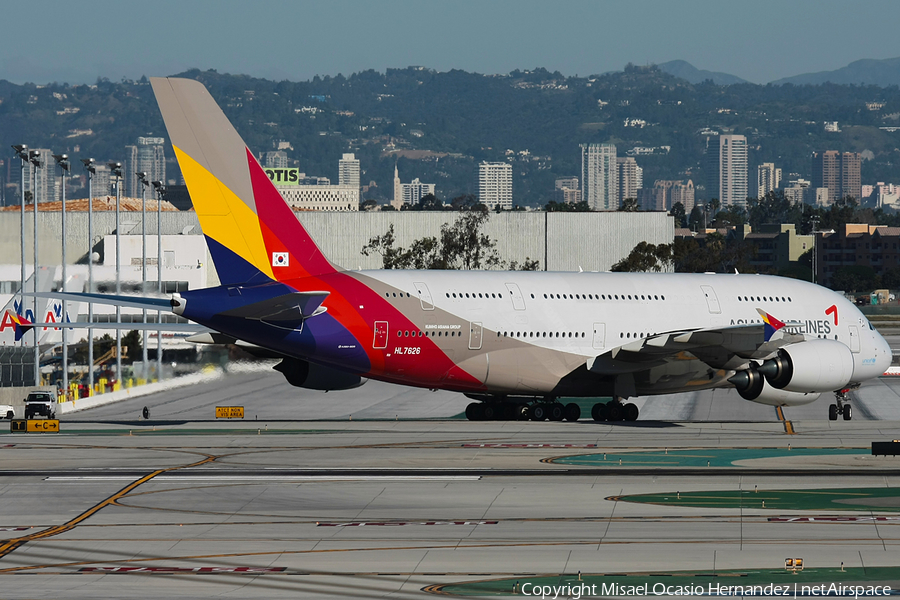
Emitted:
<point x="868" y="71"/>
<point x="535" y="119"/>
<point x="690" y="73"/>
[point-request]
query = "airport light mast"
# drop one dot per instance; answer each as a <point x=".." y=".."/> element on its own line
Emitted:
<point x="34" y="157"/>
<point x="116" y="169"/>
<point x="142" y="176"/>
<point x="160" y="190"/>
<point x="63" y="161"/>
<point x="22" y="155"/>
<point x="91" y="170"/>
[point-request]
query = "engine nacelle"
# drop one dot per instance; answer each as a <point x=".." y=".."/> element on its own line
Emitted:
<point x="811" y="366"/>
<point x="311" y="376"/>
<point x="752" y="385"/>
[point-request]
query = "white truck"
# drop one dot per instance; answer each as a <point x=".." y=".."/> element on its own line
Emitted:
<point x="7" y="411"/>
<point x="40" y="404"/>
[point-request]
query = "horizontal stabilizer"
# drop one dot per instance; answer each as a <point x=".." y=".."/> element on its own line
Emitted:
<point x="174" y="327"/>
<point x="132" y="301"/>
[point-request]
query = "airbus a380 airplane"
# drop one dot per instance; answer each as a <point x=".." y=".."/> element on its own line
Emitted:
<point x="512" y="341"/>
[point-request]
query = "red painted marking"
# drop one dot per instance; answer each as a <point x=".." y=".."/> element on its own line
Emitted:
<point x="832" y="310"/>
<point x="182" y="569"/>
<point x="402" y="523"/>
<point x="830" y="519"/>
<point x="529" y="445"/>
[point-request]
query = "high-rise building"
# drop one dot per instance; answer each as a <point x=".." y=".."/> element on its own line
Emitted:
<point x="101" y="182"/>
<point x="276" y="159"/>
<point x="599" y="176"/>
<point x="348" y="172"/>
<point x="837" y="171"/>
<point x="768" y="179"/>
<point x="630" y="176"/>
<point x="409" y="193"/>
<point x="495" y="184"/>
<point x="727" y="169"/>
<point x="147" y="156"/>
<point x="47" y="177"/>
<point x="666" y="193"/>
<point x="566" y="191"/>
<point x="397" y="201"/>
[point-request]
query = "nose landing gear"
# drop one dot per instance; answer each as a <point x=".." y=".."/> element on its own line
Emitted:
<point x="841" y="406"/>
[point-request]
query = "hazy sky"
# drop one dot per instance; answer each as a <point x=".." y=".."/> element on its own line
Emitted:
<point x="760" y="40"/>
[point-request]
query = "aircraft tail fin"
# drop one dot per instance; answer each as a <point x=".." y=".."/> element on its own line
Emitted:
<point x="252" y="234"/>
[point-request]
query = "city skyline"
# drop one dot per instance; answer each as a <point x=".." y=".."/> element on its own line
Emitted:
<point x="493" y="29"/>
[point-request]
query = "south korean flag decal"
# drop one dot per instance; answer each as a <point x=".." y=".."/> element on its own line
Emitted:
<point x="280" y="259"/>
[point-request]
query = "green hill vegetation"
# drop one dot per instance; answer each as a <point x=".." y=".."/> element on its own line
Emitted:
<point x="438" y="126"/>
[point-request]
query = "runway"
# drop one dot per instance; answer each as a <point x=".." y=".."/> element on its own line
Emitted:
<point x="183" y="506"/>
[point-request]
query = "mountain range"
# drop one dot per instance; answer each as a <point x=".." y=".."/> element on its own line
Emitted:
<point x="881" y="72"/>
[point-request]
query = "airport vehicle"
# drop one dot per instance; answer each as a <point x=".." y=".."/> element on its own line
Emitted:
<point x="40" y="404"/>
<point x="7" y="411"/>
<point x="514" y="342"/>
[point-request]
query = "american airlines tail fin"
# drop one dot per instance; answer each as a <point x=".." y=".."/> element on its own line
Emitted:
<point x="252" y="234"/>
<point x="18" y="317"/>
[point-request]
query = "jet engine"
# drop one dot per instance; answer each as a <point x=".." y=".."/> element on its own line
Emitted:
<point x="301" y="373"/>
<point x="752" y="385"/>
<point x="811" y="366"/>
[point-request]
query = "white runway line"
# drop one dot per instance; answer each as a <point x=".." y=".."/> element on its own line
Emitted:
<point x="268" y="478"/>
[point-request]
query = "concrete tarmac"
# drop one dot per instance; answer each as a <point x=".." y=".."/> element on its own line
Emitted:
<point x="182" y="506"/>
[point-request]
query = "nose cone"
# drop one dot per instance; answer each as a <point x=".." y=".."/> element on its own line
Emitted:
<point x="873" y="360"/>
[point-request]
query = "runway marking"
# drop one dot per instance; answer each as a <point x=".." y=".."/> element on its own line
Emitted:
<point x="831" y="519"/>
<point x="197" y="570"/>
<point x="529" y="446"/>
<point x="267" y="478"/>
<point x="694" y="457"/>
<point x="402" y="523"/>
<point x="12" y="544"/>
<point x="840" y="499"/>
<point x="788" y="426"/>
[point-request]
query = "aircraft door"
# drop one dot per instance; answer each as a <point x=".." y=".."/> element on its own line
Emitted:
<point x="424" y="296"/>
<point x="854" y="338"/>
<point x="599" y="336"/>
<point x="381" y="335"/>
<point x="712" y="301"/>
<point x="476" y="333"/>
<point x="516" y="295"/>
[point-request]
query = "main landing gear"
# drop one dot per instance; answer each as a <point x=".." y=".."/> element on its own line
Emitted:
<point x="548" y="410"/>
<point x="841" y="406"/>
<point x="615" y="410"/>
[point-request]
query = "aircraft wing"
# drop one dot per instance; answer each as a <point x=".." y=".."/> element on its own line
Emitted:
<point x="718" y="347"/>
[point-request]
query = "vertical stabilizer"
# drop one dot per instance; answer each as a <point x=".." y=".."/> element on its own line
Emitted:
<point x="252" y="234"/>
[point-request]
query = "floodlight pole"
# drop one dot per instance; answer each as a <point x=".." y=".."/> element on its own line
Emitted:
<point x="22" y="154"/>
<point x="91" y="169"/>
<point x="144" y="183"/>
<point x="160" y="191"/>
<point x="63" y="161"/>
<point x="116" y="169"/>
<point x="34" y="156"/>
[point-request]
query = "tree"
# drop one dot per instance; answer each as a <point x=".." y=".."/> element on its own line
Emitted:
<point x="714" y="206"/>
<point x="646" y="257"/>
<point x="554" y="206"/>
<point x="461" y="245"/>
<point x="853" y="278"/>
<point x="629" y="205"/>
<point x="429" y="202"/>
<point x="695" y="221"/>
<point x="679" y="215"/>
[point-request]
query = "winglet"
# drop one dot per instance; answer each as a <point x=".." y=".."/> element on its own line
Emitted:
<point x="772" y="324"/>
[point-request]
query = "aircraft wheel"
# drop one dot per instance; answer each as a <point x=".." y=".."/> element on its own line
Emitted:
<point x="614" y="411"/>
<point x="832" y="412"/>
<point x="598" y="412"/>
<point x="630" y="411"/>
<point x="572" y="412"/>
<point x="475" y="411"/>
<point x="490" y="412"/>
<point x="847" y="412"/>
<point x="555" y="412"/>
<point x="538" y="412"/>
<point x="523" y="412"/>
